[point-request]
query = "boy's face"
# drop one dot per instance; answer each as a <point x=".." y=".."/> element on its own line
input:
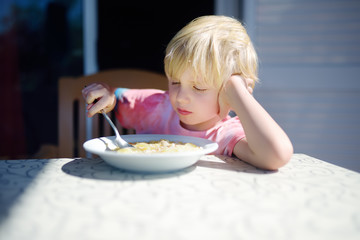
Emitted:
<point x="195" y="103"/>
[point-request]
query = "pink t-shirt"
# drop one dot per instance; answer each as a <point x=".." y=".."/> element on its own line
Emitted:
<point x="149" y="111"/>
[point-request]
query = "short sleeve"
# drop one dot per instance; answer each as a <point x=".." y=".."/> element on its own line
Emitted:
<point x="227" y="134"/>
<point x="119" y="92"/>
<point x="138" y="108"/>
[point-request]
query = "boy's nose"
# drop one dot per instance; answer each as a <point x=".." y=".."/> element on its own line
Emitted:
<point x="183" y="96"/>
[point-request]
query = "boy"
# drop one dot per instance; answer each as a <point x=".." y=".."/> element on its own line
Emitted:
<point x="211" y="66"/>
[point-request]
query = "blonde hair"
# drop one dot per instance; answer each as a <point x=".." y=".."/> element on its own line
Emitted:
<point x="214" y="47"/>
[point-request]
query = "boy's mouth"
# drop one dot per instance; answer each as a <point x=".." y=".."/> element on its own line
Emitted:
<point x="183" y="111"/>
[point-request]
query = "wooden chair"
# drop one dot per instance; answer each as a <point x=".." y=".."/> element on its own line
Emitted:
<point x="72" y="111"/>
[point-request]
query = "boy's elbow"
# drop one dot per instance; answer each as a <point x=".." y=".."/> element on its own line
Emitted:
<point x="280" y="157"/>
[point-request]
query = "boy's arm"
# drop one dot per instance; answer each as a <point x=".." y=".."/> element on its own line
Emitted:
<point x="266" y="145"/>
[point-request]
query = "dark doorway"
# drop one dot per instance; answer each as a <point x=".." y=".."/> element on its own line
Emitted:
<point x="134" y="34"/>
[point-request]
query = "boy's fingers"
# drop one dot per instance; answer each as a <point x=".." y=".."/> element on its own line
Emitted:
<point x="250" y="84"/>
<point x="97" y="97"/>
<point x="98" y="105"/>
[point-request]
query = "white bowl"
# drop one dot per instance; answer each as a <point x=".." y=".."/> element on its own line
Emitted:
<point x="154" y="162"/>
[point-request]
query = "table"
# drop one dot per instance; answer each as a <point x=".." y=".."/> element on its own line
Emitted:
<point x="217" y="198"/>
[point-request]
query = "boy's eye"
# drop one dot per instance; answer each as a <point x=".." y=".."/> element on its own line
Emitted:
<point x="199" y="89"/>
<point x="175" y="83"/>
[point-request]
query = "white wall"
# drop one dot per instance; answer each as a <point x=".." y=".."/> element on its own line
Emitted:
<point x="309" y="55"/>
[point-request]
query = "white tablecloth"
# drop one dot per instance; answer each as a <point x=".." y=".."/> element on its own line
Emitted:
<point x="218" y="198"/>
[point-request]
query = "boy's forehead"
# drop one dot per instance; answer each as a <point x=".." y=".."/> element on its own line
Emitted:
<point x="190" y="74"/>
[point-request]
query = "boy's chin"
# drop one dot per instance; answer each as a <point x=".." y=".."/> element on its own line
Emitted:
<point x="200" y="126"/>
<point x="187" y="126"/>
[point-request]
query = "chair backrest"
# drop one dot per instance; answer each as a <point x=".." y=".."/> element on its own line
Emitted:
<point x="71" y="105"/>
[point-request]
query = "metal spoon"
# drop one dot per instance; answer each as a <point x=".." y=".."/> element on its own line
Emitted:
<point x="121" y="143"/>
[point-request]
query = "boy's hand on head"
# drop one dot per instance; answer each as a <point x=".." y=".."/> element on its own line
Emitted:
<point x="247" y="82"/>
<point x="224" y="102"/>
<point x="98" y="96"/>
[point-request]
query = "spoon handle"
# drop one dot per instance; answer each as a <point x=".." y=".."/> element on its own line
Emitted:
<point x="119" y="141"/>
<point x="109" y="121"/>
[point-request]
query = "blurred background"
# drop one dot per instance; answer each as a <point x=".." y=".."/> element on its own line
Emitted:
<point x="309" y="55"/>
